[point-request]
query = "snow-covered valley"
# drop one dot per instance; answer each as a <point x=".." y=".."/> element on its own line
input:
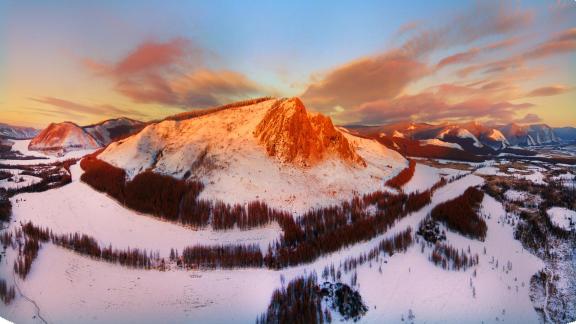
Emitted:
<point x="519" y="270"/>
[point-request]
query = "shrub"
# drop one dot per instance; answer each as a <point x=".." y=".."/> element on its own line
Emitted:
<point x="460" y="214"/>
<point x="7" y="294"/>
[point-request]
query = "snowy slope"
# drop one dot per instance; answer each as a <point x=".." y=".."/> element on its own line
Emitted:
<point x="63" y="136"/>
<point x="529" y="135"/>
<point x="92" y="291"/>
<point x="77" y="207"/>
<point x="112" y="129"/>
<point x="437" y="142"/>
<point x="222" y="151"/>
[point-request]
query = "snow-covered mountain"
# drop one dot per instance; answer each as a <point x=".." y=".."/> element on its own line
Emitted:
<point x="529" y="135"/>
<point x="17" y="132"/>
<point x="273" y="150"/>
<point x="68" y="136"/>
<point x="63" y="136"/>
<point x="566" y="133"/>
<point x="113" y="129"/>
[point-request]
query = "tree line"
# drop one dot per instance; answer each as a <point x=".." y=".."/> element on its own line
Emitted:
<point x="303" y="239"/>
<point x="449" y="258"/>
<point x="87" y="245"/>
<point x="403" y="177"/>
<point x="460" y="214"/>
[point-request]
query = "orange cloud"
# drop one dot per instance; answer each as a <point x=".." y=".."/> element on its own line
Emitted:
<point x="172" y="73"/>
<point x="70" y="107"/>
<point x="563" y="43"/>
<point x="472" y="53"/>
<point x="364" y="80"/>
<point x="549" y="91"/>
<point x="385" y="76"/>
<point x="428" y="107"/>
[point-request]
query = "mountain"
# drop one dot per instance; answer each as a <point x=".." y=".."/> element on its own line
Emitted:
<point x="529" y="135"/>
<point x="273" y="150"/>
<point x="63" y="136"/>
<point x="68" y="136"/>
<point x="486" y="135"/>
<point x="17" y="132"/>
<point x="566" y="133"/>
<point x="113" y="129"/>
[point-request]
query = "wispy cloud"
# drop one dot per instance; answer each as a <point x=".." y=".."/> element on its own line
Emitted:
<point x="173" y="73"/>
<point x="549" y="91"/>
<point x="376" y="89"/>
<point x="70" y="107"/>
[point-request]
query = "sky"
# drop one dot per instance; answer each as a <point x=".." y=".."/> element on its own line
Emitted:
<point x="360" y="62"/>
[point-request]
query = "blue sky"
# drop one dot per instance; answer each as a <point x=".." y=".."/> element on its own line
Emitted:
<point x="277" y="48"/>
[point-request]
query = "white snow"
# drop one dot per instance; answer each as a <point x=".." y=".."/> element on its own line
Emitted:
<point x="398" y="134"/>
<point x="425" y="177"/>
<point x="460" y="132"/>
<point x="22" y="147"/>
<point x="69" y="288"/>
<point x="19" y="181"/>
<point x="515" y="195"/>
<point x="489" y="170"/>
<point x="76" y="207"/>
<point x="464" y="133"/>
<point x="437" y="142"/>
<point x="563" y="218"/>
<point x="497" y="136"/>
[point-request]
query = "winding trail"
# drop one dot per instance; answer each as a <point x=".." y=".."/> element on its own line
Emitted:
<point x="28" y="299"/>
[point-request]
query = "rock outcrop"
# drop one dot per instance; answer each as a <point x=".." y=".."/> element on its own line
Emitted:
<point x="293" y="135"/>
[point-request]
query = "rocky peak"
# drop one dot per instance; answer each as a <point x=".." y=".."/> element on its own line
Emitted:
<point x="291" y="134"/>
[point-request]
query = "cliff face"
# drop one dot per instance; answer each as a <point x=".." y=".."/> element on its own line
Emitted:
<point x="292" y="135"/>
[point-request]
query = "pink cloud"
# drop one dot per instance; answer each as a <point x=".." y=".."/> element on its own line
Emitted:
<point x="549" y="91"/>
<point x="172" y="73"/>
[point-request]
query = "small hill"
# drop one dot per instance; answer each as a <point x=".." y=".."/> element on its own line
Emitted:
<point x="63" y="136"/>
<point x="113" y="129"/>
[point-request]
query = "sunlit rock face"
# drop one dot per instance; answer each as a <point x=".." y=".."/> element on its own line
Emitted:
<point x="293" y="135"/>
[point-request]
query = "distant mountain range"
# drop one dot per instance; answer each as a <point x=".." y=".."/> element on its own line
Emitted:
<point x="463" y="141"/>
<point x="17" y="132"/>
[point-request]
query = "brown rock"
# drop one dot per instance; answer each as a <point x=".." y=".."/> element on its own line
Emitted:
<point x="291" y="134"/>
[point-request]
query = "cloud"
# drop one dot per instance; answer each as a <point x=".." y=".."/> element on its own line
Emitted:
<point x="482" y="20"/>
<point x="528" y="119"/>
<point x="364" y="80"/>
<point x="386" y="75"/>
<point x="407" y="28"/>
<point x="563" y="43"/>
<point x="549" y="91"/>
<point x="149" y="56"/>
<point x="65" y="106"/>
<point x="430" y="107"/>
<point x="472" y="53"/>
<point x="173" y="73"/>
